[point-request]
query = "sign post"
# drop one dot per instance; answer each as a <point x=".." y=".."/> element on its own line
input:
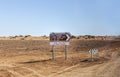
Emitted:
<point x="59" y="39"/>
<point x="53" y="52"/>
<point x="65" y="52"/>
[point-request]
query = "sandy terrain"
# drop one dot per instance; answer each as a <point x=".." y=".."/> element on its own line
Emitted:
<point x="32" y="58"/>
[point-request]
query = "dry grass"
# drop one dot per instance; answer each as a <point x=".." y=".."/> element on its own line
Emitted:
<point x="32" y="58"/>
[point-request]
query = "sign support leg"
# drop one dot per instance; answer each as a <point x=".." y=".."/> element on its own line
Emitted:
<point x="92" y="57"/>
<point x="53" y="52"/>
<point x="65" y="52"/>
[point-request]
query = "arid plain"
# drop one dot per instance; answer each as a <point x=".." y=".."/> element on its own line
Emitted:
<point x="31" y="57"/>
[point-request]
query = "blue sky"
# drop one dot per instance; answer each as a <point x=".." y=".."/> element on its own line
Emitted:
<point x="40" y="17"/>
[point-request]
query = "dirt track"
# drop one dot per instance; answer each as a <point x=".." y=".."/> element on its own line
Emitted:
<point x="21" y="58"/>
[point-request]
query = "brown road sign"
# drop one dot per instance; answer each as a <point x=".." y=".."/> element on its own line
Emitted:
<point x="60" y="38"/>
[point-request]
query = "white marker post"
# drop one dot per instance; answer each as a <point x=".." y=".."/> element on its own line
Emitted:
<point x="91" y="52"/>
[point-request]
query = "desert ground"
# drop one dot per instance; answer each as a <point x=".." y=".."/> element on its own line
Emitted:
<point x="32" y="58"/>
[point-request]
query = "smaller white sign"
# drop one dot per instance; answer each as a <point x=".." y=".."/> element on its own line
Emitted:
<point x="93" y="51"/>
<point x="60" y="43"/>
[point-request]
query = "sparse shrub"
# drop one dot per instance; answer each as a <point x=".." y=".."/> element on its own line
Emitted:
<point x="20" y="35"/>
<point x="89" y="37"/>
<point x="44" y="36"/>
<point x="15" y="36"/>
<point x="78" y="37"/>
<point x="22" y="39"/>
<point x="73" y="36"/>
<point x="27" y="36"/>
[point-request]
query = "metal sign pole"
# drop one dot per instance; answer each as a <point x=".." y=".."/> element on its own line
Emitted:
<point x="91" y="56"/>
<point x="52" y="52"/>
<point x="65" y="52"/>
<point x="92" y="52"/>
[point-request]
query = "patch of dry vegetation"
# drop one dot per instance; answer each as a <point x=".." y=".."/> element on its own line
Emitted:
<point x="86" y="37"/>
